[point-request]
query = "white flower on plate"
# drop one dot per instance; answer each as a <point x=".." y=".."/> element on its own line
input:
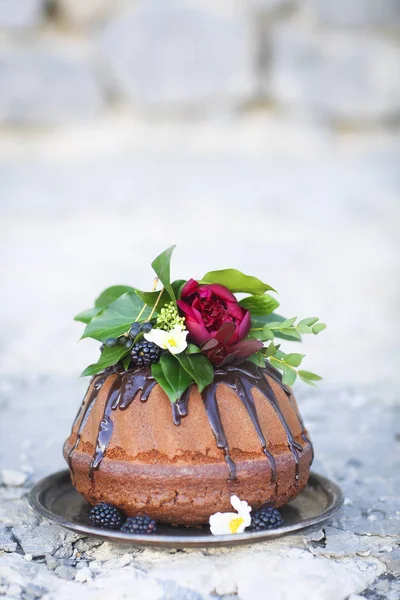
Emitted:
<point x="174" y="340"/>
<point x="230" y="522"/>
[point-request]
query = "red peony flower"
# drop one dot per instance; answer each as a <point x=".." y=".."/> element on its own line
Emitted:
<point x="216" y="322"/>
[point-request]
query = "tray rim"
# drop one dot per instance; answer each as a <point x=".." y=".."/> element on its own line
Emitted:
<point x="332" y="489"/>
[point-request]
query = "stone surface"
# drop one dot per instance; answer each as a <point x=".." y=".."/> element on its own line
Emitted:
<point x="46" y="84"/>
<point x="7" y="542"/>
<point x="169" y="53"/>
<point x="37" y="541"/>
<point x="21" y="14"/>
<point x="358" y="13"/>
<point x="335" y="76"/>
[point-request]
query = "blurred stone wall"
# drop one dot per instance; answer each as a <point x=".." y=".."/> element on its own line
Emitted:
<point x="334" y="61"/>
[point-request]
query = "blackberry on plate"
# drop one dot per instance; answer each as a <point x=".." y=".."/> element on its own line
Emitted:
<point x="145" y="353"/>
<point x="139" y="525"/>
<point x="266" y="518"/>
<point x="106" y="516"/>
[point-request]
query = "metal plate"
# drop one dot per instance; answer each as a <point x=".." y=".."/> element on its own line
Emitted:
<point x="55" y="498"/>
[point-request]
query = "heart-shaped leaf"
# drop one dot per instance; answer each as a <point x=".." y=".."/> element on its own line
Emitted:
<point x="162" y="268"/>
<point x="108" y="358"/>
<point x="259" y="305"/>
<point x="111" y="294"/>
<point x="116" y="319"/>
<point x="236" y="281"/>
<point x="198" y="367"/>
<point x="171" y="376"/>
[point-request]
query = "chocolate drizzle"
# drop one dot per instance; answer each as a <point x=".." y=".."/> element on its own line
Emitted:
<point x="242" y="379"/>
<point x="84" y="412"/>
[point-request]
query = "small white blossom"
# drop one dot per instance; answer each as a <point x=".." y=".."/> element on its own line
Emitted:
<point x="174" y="340"/>
<point x="230" y="522"/>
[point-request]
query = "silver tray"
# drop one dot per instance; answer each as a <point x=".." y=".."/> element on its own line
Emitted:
<point x="55" y="498"/>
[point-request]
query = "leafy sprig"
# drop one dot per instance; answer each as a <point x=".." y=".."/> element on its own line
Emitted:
<point x="119" y="306"/>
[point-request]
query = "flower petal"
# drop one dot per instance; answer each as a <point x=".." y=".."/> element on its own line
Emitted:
<point x="219" y="523"/>
<point x="244" y="326"/>
<point x="190" y="287"/>
<point x="222" y="292"/>
<point x="194" y="323"/>
<point x="157" y="336"/>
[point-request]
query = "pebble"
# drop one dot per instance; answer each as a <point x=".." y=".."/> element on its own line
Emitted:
<point x="51" y="562"/>
<point x="83" y="575"/>
<point x="14" y="590"/>
<point x="12" y="478"/>
<point x="36" y="591"/>
<point x="64" y="572"/>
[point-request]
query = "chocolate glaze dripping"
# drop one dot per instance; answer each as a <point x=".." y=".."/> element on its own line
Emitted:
<point x="277" y="377"/>
<point x="106" y="426"/>
<point x="84" y="413"/>
<point x="241" y="378"/>
<point x="209" y="395"/>
<point x="180" y="407"/>
<point x="243" y="390"/>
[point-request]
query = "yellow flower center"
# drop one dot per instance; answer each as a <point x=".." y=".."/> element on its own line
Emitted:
<point x="172" y="342"/>
<point x="234" y="524"/>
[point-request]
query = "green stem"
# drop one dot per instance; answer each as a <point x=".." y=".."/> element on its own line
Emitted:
<point x="155" y="305"/>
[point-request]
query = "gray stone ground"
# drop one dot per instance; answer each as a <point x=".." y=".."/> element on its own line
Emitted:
<point x="314" y="213"/>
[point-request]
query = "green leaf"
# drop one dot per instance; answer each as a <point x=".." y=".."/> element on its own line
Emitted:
<point x="293" y="359"/>
<point x="308" y="376"/>
<point x="259" y="305"/>
<point x="162" y="267"/>
<point x="177" y="286"/>
<point x="126" y="362"/>
<point x="288" y="323"/>
<point x="87" y="315"/>
<point x="116" y="319"/>
<point x="289" y="332"/>
<point x="257" y="359"/>
<point x="318" y="328"/>
<point x="150" y="298"/>
<point x="271" y="350"/>
<point x="236" y="281"/>
<point x="192" y="349"/>
<point x="288" y="374"/>
<point x="304" y="326"/>
<point x="108" y="357"/>
<point x="171" y="376"/>
<point x="198" y="367"/>
<point x="111" y="294"/>
<point x="259" y="321"/>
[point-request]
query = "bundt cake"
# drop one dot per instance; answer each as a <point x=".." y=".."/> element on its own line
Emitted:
<point x="243" y="435"/>
<point x="189" y="403"/>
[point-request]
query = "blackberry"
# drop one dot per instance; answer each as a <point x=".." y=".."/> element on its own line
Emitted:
<point x="146" y="327"/>
<point x="139" y="525"/>
<point x="266" y="518"/>
<point x="145" y="353"/>
<point x="106" y="516"/>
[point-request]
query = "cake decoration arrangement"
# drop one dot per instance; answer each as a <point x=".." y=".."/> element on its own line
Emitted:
<point x="189" y="412"/>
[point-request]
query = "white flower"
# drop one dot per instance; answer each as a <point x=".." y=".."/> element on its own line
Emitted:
<point x="174" y="340"/>
<point x="226" y="523"/>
